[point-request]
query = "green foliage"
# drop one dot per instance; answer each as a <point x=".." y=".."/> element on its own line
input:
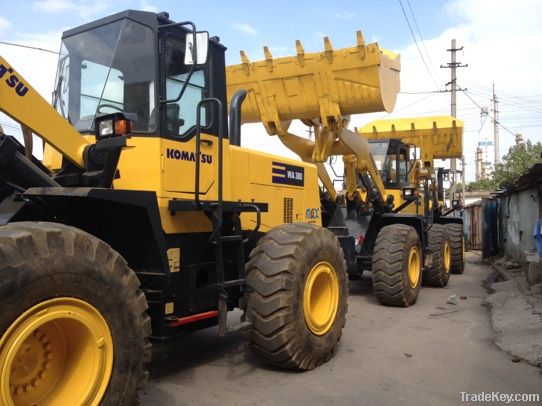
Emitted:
<point x="519" y="159"/>
<point x="482" y="185"/>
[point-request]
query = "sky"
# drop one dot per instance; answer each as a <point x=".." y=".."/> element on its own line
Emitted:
<point x="501" y="43"/>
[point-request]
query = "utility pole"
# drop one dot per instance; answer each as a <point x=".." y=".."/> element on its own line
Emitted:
<point x="496" y="128"/>
<point x="453" y="65"/>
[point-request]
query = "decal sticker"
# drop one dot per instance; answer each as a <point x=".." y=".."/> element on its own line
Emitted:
<point x="312" y="214"/>
<point x="179" y="155"/>
<point x="285" y="174"/>
<point x="13" y="81"/>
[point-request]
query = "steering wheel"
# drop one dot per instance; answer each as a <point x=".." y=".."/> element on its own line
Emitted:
<point x="111" y="106"/>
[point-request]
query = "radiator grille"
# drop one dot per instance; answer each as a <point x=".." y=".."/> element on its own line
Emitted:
<point x="288" y="209"/>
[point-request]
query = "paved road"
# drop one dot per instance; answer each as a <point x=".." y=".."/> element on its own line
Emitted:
<point x="426" y="354"/>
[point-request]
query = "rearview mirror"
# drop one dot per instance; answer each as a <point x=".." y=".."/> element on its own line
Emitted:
<point x="196" y="48"/>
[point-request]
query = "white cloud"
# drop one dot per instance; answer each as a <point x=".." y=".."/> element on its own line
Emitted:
<point x="246" y="28"/>
<point x="345" y="15"/>
<point x="83" y="9"/>
<point x="54" y="6"/>
<point x="320" y="34"/>
<point x="4" y="23"/>
<point x="494" y="55"/>
<point x="145" y="6"/>
<point x="279" y="51"/>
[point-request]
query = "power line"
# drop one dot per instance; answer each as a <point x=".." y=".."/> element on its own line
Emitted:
<point x="29" y="47"/>
<point x="423" y="92"/>
<point x="419" y="33"/>
<point x="417" y="46"/>
<point x="496" y="121"/>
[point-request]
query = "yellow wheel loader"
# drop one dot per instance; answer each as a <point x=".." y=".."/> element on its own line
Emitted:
<point x="146" y="219"/>
<point x="414" y="144"/>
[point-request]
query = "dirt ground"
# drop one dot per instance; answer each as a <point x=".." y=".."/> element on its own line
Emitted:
<point x="426" y="354"/>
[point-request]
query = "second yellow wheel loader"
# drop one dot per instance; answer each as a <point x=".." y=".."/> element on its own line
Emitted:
<point x="322" y="90"/>
<point x="425" y="139"/>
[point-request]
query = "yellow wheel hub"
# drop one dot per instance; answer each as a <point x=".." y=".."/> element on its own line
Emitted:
<point x="447" y="256"/>
<point x="321" y="298"/>
<point x="413" y="267"/>
<point x="59" y="352"/>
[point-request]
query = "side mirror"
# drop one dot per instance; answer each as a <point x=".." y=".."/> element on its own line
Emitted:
<point x="197" y="48"/>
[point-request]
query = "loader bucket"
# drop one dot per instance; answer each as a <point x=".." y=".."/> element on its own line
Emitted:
<point x="325" y="85"/>
<point x="438" y="137"/>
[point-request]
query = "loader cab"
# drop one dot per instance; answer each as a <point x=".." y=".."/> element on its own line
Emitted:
<point x="136" y="63"/>
<point x="392" y="160"/>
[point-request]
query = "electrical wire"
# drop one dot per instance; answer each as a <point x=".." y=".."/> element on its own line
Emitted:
<point x="29" y="47"/>
<point x="421" y="92"/>
<point x="496" y="121"/>
<point x="417" y="46"/>
<point x="420" y="34"/>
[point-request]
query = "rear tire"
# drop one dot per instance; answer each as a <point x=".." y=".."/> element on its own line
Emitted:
<point x="438" y="272"/>
<point x="85" y="318"/>
<point x="298" y="304"/>
<point x="455" y="232"/>
<point x="396" y="267"/>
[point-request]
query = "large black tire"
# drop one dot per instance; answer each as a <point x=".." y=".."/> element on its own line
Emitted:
<point x="278" y="271"/>
<point x="455" y="232"/>
<point x="45" y="263"/>
<point x="397" y="249"/>
<point x="437" y="273"/>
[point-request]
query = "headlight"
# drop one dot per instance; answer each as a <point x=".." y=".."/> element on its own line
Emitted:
<point x="105" y="128"/>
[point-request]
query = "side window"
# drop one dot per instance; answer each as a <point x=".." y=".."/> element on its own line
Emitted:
<point x="93" y="77"/>
<point x="403" y="170"/>
<point x="181" y="115"/>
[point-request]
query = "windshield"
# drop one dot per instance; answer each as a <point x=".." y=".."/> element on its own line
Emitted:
<point x="105" y="70"/>
<point x="392" y="167"/>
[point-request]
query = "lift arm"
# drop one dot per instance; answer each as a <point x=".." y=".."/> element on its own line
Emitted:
<point x="22" y="103"/>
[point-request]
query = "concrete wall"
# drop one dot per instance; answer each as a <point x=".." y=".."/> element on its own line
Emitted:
<point x="520" y="213"/>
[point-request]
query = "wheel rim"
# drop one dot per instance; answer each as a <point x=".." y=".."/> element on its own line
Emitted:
<point x="447" y="256"/>
<point x="321" y="298"/>
<point x="59" y="352"/>
<point x="413" y="267"/>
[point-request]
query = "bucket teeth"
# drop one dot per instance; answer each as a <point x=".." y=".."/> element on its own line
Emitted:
<point x="300" y="52"/>
<point x="268" y="58"/>
<point x="328" y="49"/>
<point x="299" y="47"/>
<point x="359" y="39"/>
<point x="327" y="44"/>
<point x="244" y="57"/>
<point x="267" y="53"/>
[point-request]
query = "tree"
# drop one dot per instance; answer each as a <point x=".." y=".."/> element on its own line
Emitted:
<point x="482" y="185"/>
<point x="519" y="159"/>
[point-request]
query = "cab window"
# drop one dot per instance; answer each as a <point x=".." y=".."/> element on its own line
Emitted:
<point x="181" y="115"/>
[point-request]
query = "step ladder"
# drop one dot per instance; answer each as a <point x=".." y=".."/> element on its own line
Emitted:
<point x="225" y="217"/>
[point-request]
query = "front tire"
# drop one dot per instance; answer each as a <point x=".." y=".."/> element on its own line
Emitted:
<point x="396" y="268"/>
<point x="297" y="308"/>
<point x="457" y="244"/>
<point x="73" y="325"/>
<point x="438" y="272"/>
